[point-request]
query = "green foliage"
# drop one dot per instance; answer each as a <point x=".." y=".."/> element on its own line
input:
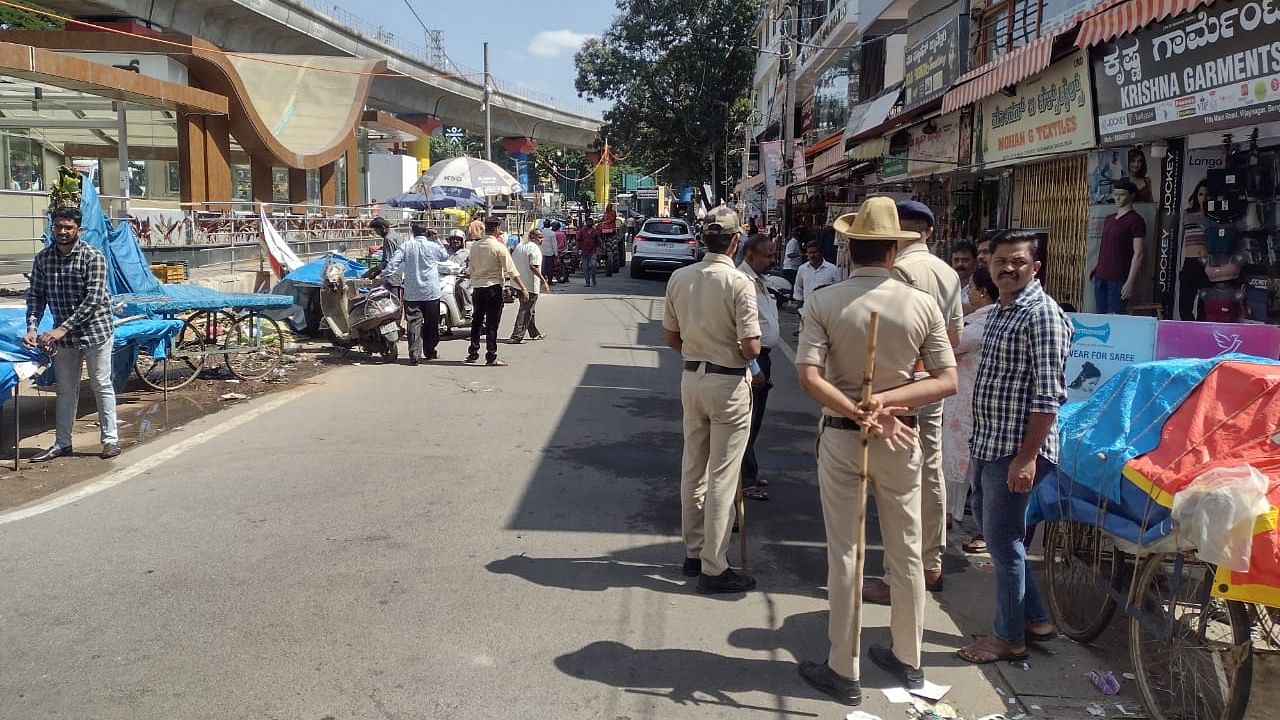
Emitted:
<point x="679" y="75"/>
<point x="15" y="19"/>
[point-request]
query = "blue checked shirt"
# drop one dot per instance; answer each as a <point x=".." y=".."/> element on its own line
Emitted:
<point x="74" y="288"/>
<point x="1024" y="351"/>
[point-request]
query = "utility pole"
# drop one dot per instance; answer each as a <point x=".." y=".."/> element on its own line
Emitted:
<point x="790" y="54"/>
<point x="488" y="118"/>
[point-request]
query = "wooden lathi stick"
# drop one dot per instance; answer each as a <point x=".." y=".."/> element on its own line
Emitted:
<point x="868" y="373"/>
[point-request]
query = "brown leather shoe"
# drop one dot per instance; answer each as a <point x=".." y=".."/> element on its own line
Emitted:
<point x="933" y="580"/>
<point x="875" y="592"/>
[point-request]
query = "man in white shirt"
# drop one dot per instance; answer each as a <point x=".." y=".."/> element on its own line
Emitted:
<point x="793" y="258"/>
<point x="528" y="259"/>
<point x="759" y="256"/>
<point x="549" y="252"/>
<point x="816" y="273"/>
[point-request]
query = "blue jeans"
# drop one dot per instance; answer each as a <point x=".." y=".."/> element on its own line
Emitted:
<point x="590" y="269"/>
<point x="1004" y="520"/>
<point x="1106" y="297"/>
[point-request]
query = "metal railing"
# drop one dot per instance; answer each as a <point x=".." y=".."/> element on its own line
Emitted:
<point x="379" y="34"/>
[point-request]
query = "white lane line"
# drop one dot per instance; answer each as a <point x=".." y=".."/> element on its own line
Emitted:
<point x="788" y="351"/>
<point x="152" y="461"/>
<point x="614" y="387"/>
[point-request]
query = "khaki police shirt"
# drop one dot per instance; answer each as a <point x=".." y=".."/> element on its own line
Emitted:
<point x="837" y="325"/>
<point x="713" y="306"/>
<point x="489" y="260"/>
<point x="921" y="268"/>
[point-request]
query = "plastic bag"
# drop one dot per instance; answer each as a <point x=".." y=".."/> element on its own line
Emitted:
<point x="1216" y="512"/>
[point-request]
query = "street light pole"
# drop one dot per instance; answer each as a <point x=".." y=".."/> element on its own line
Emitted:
<point x="488" y="119"/>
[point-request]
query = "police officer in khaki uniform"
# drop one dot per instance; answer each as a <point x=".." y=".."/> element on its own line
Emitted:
<point x="830" y="358"/>
<point x="711" y="321"/>
<point x="930" y="273"/>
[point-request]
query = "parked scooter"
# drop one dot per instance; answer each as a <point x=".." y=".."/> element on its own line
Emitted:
<point x="354" y="318"/>
<point x="455" y="293"/>
<point x="779" y="287"/>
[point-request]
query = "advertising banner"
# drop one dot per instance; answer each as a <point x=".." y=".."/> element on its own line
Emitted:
<point x="1048" y="114"/>
<point x="771" y="166"/>
<point x="1169" y="230"/>
<point x="1101" y="346"/>
<point x="1213" y="69"/>
<point x="930" y="148"/>
<point x="932" y="64"/>
<point x="1178" y="339"/>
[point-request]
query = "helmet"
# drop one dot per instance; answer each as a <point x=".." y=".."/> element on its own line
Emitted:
<point x="457" y="232"/>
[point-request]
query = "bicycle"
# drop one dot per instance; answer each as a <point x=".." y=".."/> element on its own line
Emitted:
<point x="251" y="346"/>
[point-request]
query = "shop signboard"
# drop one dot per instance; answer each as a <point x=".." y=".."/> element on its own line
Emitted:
<point x="771" y="161"/>
<point x="1101" y="346"/>
<point x="1048" y="114"/>
<point x="1213" y="69"/>
<point x="1180" y="339"/>
<point x="929" y="148"/>
<point x="932" y="64"/>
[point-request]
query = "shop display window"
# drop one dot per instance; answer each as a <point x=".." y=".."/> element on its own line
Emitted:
<point x="25" y="169"/>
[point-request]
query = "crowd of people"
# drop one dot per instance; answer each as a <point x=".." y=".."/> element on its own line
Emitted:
<point x="962" y="404"/>
<point x="499" y="261"/>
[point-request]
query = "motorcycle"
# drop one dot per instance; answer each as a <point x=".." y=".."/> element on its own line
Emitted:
<point x="568" y="262"/>
<point x="455" y="293"/>
<point x="779" y="287"/>
<point x="369" y="320"/>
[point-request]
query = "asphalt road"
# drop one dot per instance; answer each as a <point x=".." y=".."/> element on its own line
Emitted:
<point x="445" y="541"/>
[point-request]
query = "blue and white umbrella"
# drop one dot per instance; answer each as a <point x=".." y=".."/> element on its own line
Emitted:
<point x="466" y="174"/>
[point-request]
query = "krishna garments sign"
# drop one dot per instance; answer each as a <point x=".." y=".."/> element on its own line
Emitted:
<point x="1215" y="69"/>
<point x="1050" y="113"/>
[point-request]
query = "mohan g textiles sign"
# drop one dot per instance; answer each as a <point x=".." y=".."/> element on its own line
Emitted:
<point x="1214" y="69"/>
<point x="1050" y="113"/>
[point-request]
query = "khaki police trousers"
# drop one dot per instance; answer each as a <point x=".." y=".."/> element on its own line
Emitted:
<point x="895" y="482"/>
<point x="933" y="495"/>
<point x="717" y="422"/>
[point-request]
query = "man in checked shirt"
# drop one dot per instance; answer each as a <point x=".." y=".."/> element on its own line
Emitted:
<point x="70" y="278"/>
<point x="1016" y="397"/>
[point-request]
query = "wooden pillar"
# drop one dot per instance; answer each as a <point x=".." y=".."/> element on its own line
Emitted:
<point x="263" y="180"/>
<point x="329" y="187"/>
<point x="355" y="188"/>
<point x="218" y="161"/>
<point x="298" y="190"/>
<point x="191" y="160"/>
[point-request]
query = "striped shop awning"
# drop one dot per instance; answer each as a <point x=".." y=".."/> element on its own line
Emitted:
<point x="986" y="80"/>
<point x="829" y="159"/>
<point x="1130" y="16"/>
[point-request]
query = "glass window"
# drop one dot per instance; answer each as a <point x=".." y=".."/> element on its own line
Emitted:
<point x="279" y="185"/>
<point x="25" y="170"/>
<point x="313" y="190"/>
<point x="833" y="94"/>
<point x="241" y="183"/>
<point x="173" y="181"/>
<point x="340" y="180"/>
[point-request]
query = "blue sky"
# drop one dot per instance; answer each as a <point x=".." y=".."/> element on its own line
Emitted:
<point x="531" y="42"/>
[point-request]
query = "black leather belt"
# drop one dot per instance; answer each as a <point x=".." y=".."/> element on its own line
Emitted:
<point x="844" y="423"/>
<point x="694" y="365"/>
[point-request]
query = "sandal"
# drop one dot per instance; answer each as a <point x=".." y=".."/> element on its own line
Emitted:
<point x="975" y="545"/>
<point x="755" y="493"/>
<point x="985" y="650"/>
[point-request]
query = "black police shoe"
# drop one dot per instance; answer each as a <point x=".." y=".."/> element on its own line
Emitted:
<point x="912" y="678"/>
<point x="841" y="689"/>
<point x="52" y="453"/>
<point x="726" y="582"/>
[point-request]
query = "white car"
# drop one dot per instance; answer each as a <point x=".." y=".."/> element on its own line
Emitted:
<point x="663" y="244"/>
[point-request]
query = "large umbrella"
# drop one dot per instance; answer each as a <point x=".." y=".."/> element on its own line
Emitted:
<point x="463" y="174"/>
<point x="440" y="198"/>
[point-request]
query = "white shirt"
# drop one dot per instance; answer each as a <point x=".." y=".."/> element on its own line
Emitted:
<point x="810" y="278"/>
<point x="526" y="257"/>
<point x="770" y="330"/>
<point x="788" y="262"/>
<point x="548" y="243"/>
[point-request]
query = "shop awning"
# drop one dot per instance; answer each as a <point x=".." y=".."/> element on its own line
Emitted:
<point x="872" y="114"/>
<point x="818" y="147"/>
<point x="1130" y="16"/>
<point x="748" y="184"/>
<point x="870" y="149"/>
<point x="1010" y="69"/>
<point x="829" y="159"/>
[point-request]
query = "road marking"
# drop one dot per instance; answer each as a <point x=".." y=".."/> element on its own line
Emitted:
<point x="614" y="387"/>
<point x="787" y="350"/>
<point x="152" y="461"/>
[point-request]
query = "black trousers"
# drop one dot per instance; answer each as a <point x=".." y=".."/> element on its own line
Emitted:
<point x="424" y="328"/>
<point x="485" y="316"/>
<point x="759" y="399"/>
<point x="1193" y="280"/>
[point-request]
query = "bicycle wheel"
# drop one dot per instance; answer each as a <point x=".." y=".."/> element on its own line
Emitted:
<point x="1081" y="567"/>
<point x="1192" y="653"/>
<point x="253" y="345"/>
<point x="186" y="359"/>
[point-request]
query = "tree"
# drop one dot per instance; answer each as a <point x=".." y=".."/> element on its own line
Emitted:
<point x="12" y="18"/>
<point x="679" y="78"/>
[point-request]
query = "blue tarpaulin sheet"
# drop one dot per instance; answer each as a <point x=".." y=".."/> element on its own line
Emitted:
<point x="187" y="298"/>
<point x="1122" y="420"/>
<point x="309" y="275"/>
